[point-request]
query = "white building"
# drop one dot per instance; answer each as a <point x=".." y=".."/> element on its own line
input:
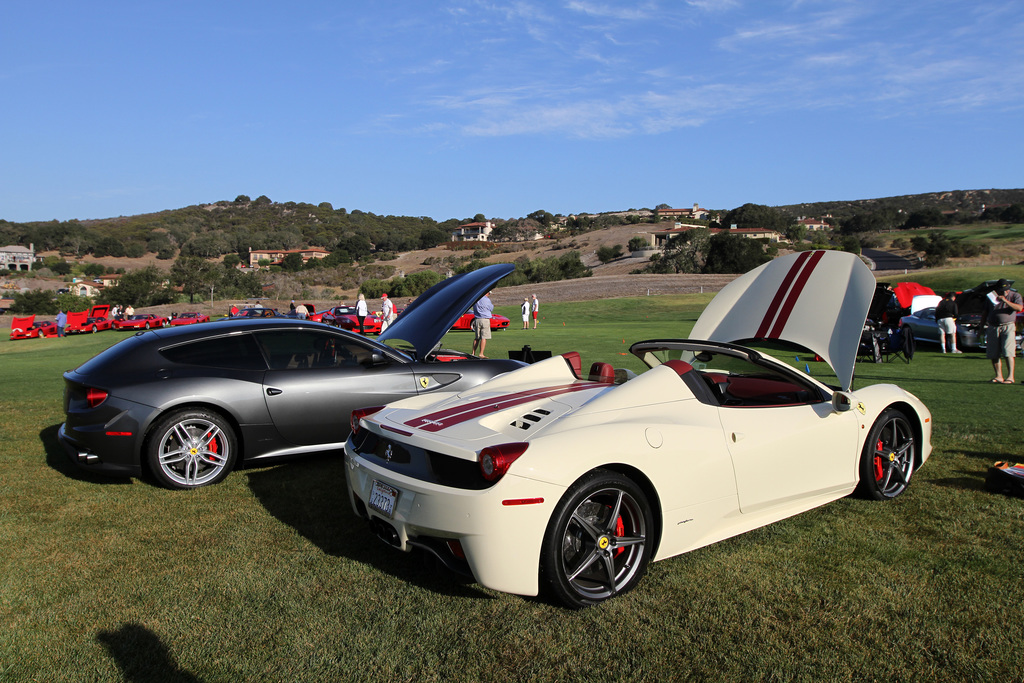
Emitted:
<point x="473" y="232"/>
<point x="16" y="257"/>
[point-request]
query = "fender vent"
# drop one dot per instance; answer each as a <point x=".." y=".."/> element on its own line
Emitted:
<point x="531" y="418"/>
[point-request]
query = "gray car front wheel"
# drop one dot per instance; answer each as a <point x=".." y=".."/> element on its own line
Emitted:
<point x="191" y="448"/>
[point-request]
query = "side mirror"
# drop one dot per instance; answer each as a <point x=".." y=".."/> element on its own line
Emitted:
<point x="842" y="401"/>
<point x="377" y="358"/>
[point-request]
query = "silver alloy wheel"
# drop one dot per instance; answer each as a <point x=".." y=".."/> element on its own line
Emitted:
<point x="602" y="544"/>
<point x="193" y="452"/>
<point x="889" y="456"/>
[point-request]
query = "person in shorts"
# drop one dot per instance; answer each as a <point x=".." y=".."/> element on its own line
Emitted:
<point x="1001" y="341"/>
<point x="945" y="316"/>
<point x="483" y="310"/>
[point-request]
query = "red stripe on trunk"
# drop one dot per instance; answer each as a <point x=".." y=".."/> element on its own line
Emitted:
<point x="794" y="295"/>
<point x="435" y="422"/>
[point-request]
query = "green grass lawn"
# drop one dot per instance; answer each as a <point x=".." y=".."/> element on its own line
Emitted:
<point x="270" y="576"/>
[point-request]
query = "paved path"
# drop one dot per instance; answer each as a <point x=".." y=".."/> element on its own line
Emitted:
<point x="885" y="260"/>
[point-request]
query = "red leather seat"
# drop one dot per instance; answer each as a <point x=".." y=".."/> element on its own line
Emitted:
<point x="602" y="372"/>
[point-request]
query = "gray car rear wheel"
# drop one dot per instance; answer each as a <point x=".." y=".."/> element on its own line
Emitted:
<point x="191" y="448"/>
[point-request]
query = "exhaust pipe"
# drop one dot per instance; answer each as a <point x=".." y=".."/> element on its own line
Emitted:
<point x="385" y="532"/>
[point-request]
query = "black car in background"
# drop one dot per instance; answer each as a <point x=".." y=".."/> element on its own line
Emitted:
<point x="189" y="403"/>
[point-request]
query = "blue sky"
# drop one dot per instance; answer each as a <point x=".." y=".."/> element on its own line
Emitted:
<point x="457" y="107"/>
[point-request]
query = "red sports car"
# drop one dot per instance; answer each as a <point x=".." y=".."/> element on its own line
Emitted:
<point x="345" y="317"/>
<point x="28" y="328"/>
<point x="93" y="320"/>
<point x="190" y="318"/>
<point x="140" y="321"/>
<point x="498" y="322"/>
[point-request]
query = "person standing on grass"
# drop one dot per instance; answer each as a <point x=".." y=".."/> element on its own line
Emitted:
<point x="1001" y="342"/>
<point x="945" y="315"/>
<point x="62" y="320"/>
<point x="387" y="310"/>
<point x="526" y="313"/>
<point x="361" y="312"/>
<point x="535" y="306"/>
<point x="483" y="310"/>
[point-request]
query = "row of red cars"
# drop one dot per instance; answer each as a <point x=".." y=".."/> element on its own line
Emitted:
<point x="97" y="319"/>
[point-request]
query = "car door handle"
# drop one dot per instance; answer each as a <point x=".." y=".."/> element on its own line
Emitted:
<point x="271" y="391"/>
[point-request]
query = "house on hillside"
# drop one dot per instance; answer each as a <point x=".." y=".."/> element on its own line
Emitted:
<point x="696" y="213"/>
<point x="659" y="238"/>
<point x="18" y="258"/>
<point x="275" y="256"/>
<point x="473" y="232"/>
<point x="815" y="223"/>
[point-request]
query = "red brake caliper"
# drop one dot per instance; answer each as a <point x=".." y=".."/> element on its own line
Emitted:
<point x="620" y="531"/>
<point x="213" y="447"/>
<point x="878" y="461"/>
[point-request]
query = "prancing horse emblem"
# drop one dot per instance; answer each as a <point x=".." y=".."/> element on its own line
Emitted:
<point x="388" y="453"/>
<point x="424" y="381"/>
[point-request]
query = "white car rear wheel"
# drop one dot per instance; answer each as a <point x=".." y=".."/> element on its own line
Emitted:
<point x="596" y="545"/>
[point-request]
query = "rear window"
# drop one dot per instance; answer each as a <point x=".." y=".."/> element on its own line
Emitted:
<point x="237" y="351"/>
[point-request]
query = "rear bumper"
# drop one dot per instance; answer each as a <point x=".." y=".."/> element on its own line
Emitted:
<point x="83" y="452"/>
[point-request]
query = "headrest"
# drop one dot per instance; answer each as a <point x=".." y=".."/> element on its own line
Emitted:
<point x="602" y="372"/>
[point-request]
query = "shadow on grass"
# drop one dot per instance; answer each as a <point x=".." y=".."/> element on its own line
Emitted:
<point x="309" y="495"/>
<point x="142" y="656"/>
<point x="57" y="458"/>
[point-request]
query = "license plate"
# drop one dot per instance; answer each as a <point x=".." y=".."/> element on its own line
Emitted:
<point x="382" y="498"/>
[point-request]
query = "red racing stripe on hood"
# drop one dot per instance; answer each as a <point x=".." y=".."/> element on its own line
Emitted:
<point x="435" y="422"/>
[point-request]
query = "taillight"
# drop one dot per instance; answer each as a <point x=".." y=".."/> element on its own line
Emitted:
<point x="359" y="414"/>
<point x="94" y="397"/>
<point x="495" y="460"/>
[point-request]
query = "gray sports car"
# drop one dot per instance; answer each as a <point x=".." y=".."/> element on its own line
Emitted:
<point x="188" y="403"/>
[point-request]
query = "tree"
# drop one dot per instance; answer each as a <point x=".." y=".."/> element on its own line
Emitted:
<point x="38" y="301"/>
<point x="850" y="244"/>
<point x="637" y="243"/>
<point x="292" y="263"/>
<point x="924" y="218"/>
<point x="431" y="237"/>
<point x="542" y="217"/>
<point x="796" y="232"/>
<point x="733" y="254"/>
<point x="756" y="216"/>
<point x="143" y="287"/>
<point x="606" y="253"/>
<point x="193" y="274"/>
<point x="684" y="253"/>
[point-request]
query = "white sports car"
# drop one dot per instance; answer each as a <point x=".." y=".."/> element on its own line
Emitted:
<point x="546" y="480"/>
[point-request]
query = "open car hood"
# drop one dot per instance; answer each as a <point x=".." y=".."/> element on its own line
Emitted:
<point x="817" y="300"/>
<point x="427" y="319"/>
<point x="923" y="301"/>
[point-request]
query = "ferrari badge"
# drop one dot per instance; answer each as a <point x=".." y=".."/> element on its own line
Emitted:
<point x="424" y="381"/>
